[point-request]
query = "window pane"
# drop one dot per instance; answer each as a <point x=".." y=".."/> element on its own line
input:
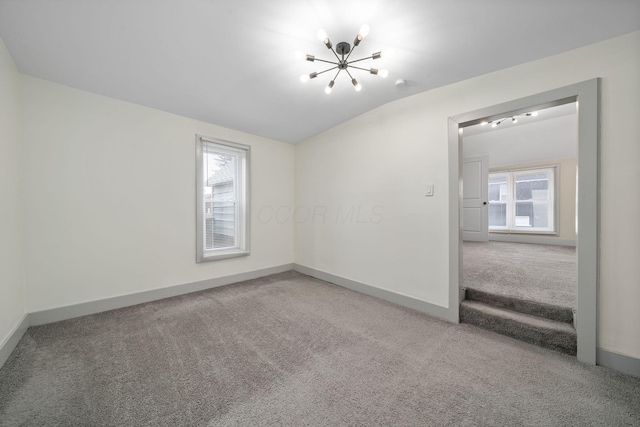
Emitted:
<point x="498" y="190"/>
<point x="541" y="215"/>
<point x="524" y="214"/>
<point x="220" y="200"/>
<point x="532" y="186"/>
<point x="497" y="214"/>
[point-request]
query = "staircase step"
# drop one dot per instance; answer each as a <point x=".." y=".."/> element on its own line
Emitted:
<point x="548" y="311"/>
<point x="546" y="333"/>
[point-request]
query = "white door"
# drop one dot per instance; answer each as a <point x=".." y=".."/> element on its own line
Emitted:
<point x="475" y="195"/>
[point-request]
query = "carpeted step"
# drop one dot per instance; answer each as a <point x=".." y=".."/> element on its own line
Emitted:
<point x="546" y="333"/>
<point x="540" y="309"/>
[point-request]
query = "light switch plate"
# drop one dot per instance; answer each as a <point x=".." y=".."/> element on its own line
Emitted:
<point x="429" y="191"/>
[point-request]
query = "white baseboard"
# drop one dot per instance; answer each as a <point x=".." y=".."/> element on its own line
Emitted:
<point x="92" y="307"/>
<point x="403" y="300"/>
<point x="11" y="341"/>
<point x="537" y="240"/>
<point x="619" y="362"/>
<point x="625" y="364"/>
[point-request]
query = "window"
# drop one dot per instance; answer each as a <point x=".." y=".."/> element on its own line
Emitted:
<point x="222" y="199"/>
<point x="522" y="201"/>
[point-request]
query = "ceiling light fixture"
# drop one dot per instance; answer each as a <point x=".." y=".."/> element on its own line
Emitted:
<point x="514" y="119"/>
<point x="342" y="52"/>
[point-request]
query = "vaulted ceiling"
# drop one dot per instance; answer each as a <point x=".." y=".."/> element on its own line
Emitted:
<point x="231" y="62"/>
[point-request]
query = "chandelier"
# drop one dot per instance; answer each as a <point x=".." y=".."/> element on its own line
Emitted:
<point x="342" y="52"/>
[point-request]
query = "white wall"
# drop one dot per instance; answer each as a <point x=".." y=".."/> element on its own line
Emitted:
<point x="109" y="197"/>
<point x="555" y="138"/>
<point x="386" y="157"/>
<point x="12" y="306"/>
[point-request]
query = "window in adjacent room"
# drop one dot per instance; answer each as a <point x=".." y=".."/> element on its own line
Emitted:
<point x="222" y="199"/>
<point x="523" y="201"/>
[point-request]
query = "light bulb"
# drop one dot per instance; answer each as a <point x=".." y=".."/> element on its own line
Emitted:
<point x="327" y="89"/>
<point x="299" y="55"/>
<point x="358" y="87"/>
<point x="304" y="78"/>
<point x="494" y="125"/>
<point x="322" y="35"/>
<point x="383" y="73"/>
<point x="484" y="123"/>
<point x="364" y="30"/>
<point x="535" y="113"/>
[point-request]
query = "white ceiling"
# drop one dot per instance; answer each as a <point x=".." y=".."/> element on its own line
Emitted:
<point x="231" y="62"/>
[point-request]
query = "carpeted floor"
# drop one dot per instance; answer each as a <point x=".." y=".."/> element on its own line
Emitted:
<point x="541" y="273"/>
<point x="295" y="351"/>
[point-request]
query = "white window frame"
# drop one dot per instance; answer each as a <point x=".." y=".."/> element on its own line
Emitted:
<point x="511" y="226"/>
<point x="243" y="204"/>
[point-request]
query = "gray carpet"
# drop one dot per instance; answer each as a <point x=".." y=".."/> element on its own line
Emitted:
<point x="295" y="351"/>
<point x="541" y="273"/>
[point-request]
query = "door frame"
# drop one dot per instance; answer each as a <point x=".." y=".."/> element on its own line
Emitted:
<point x="587" y="96"/>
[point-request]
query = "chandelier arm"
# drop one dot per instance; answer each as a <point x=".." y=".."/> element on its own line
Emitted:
<point x="328" y="69"/>
<point x="336" y="76"/>
<point x="350" y="52"/>
<point x="359" y="68"/>
<point x="335" y="54"/>
<point x="349" y="73"/>
<point x="361" y="59"/>
<point x="328" y="62"/>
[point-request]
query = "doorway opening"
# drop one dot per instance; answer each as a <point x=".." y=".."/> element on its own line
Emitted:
<point x="513" y="216"/>
<point x="519" y="219"/>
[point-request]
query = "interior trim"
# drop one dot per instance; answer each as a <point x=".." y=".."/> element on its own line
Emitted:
<point x="396" y="298"/>
<point x="92" y="307"/>
<point x="609" y="359"/>
<point x="619" y="362"/>
<point x="11" y="341"/>
<point x="538" y="240"/>
<point x="587" y="94"/>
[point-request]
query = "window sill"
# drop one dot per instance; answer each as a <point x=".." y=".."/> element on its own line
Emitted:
<point x="218" y="255"/>
<point x="542" y="233"/>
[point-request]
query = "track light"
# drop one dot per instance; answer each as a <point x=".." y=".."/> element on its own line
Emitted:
<point x="514" y="119"/>
<point x="342" y="53"/>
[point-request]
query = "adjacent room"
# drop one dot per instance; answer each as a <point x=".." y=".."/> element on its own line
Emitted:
<point x="519" y="225"/>
<point x="319" y="212"/>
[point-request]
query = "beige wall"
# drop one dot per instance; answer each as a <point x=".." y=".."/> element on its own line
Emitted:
<point x="12" y="306"/>
<point x="385" y="158"/>
<point x="566" y="182"/>
<point x="109" y="197"/>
